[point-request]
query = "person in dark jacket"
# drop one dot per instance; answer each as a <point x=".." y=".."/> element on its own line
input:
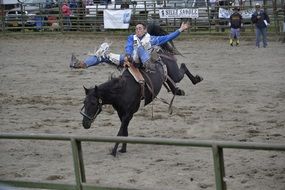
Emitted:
<point x="261" y="21"/>
<point x="235" y="24"/>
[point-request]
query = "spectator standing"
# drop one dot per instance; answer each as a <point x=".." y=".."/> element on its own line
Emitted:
<point x="66" y="12"/>
<point x="261" y="21"/>
<point x="235" y="24"/>
<point x="39" y="22"/>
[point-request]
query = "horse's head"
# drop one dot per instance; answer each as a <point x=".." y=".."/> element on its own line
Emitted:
<point x="92" y="107"/>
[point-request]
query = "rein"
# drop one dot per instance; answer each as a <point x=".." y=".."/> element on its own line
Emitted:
<point x="97" y="112"/>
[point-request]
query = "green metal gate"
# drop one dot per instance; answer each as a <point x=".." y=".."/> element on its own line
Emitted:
<point x="80" y="179"/>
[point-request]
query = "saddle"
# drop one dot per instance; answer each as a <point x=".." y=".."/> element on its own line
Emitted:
<point x="135" y="72"/>
<point x="140" y="75"/>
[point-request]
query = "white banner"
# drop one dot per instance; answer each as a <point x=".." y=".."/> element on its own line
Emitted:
<point x="225" y="13"/>
<point x="117" y="19"/>
<point x="178" y="13"/>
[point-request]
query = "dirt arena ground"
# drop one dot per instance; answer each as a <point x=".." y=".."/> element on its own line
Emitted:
<point x="241" y="99"/>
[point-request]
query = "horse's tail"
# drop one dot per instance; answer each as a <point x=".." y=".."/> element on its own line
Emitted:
<point x="156" y="30"/>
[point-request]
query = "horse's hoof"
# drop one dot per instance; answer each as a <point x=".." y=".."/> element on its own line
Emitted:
<point x="198" y="79"/>
<point x="179" y="92"/>
<point x="122" y="151"/>
<point x="114" y="154"/>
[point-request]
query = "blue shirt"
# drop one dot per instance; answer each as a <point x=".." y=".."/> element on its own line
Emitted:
<point x="154" y="41"/>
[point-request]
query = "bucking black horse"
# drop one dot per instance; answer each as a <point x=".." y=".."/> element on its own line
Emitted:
<point x="124" y="92"/>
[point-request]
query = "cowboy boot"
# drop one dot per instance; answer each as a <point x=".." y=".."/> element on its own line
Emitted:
<point x="76" y="63"/>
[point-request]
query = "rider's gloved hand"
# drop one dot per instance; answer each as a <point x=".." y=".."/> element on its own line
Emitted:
<point x="129" y="58"/>
<point x="137" y="65"/>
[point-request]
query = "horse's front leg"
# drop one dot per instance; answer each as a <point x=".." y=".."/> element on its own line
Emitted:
<point x="122" y="132"/>
<point x="125" y="134"/>
<point x="114" y="150"/>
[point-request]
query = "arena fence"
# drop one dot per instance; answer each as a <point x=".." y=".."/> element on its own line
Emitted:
<point x="86" y="19"/>
<point x="79" y="170"/>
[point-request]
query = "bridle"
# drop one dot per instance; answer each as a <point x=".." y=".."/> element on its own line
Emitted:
<point x="97" y="112"/>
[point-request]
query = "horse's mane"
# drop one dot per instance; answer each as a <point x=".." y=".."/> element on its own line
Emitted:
<point x="113" y="86"/>
<point x="156" y="30"/>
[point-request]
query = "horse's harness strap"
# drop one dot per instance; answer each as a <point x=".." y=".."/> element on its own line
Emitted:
<point x="97" y="112"/>
<point x="142" y="83"/>
<point x="170" y="80"/>
<point x="148" y="84"/>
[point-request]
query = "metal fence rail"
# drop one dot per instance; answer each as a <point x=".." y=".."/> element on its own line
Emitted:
<point x="80" y="179"/>
<point x="83" y="21"/>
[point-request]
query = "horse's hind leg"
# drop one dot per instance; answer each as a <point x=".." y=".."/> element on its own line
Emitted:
<point x="174" y="89"/>
<point x="194" y="79"/>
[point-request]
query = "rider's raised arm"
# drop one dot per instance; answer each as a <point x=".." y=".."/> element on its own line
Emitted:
<point x="158" y="40"/>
